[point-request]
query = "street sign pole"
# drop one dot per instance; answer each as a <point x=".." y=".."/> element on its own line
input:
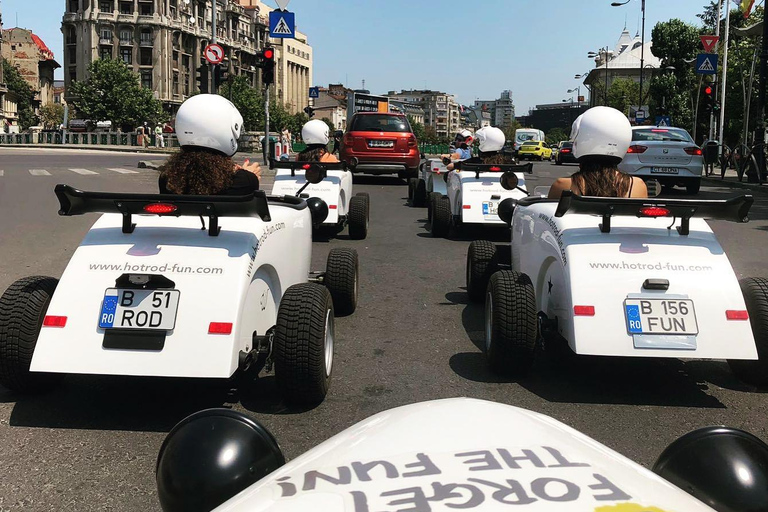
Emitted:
<point x="265" y="146"/>
<point x="213" y="40"/>
<point x="723" y="80"/>
<point x="717" y="33"/>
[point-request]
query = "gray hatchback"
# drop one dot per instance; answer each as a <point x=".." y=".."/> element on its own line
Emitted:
<point x="666" y="154"/>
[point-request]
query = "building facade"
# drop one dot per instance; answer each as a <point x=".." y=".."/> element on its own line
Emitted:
<point x="441" y="111"/>
<point x="332" y="104"/>
<point x="501" y="110"/>
<point x="34" y="60"/>
<point x="4" y="124"/>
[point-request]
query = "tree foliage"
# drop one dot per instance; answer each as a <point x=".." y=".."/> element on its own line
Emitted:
<point x="247" y="100"/>
<point x="418" y="129"/>
<point x="24" y="93"/>
<point x="112" y="92"/>
<point x="52" y="115"/>
<point x="556" y="135"/>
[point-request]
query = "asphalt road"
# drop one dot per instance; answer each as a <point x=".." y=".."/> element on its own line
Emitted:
<point x="91" y="444"/>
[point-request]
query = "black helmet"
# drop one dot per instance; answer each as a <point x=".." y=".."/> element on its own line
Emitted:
<point x="210" y="456"/>
<point x="723" y="467"/>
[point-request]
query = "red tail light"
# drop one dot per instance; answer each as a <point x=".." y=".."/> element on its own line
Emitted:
<point x="637" y="149"/>
<point x="495" y="169"/>
<point x="332" y="206"/>
<point x="54" y="321"/>
<point x="160" y="208"/>
<point x="693" y="151"/>
<point x="306" y="167"/>
<point x="736" y="314"/>
<point x="466" y="206"/>
<point x="411" y="141"/>
<point x="220" y="328"/>
<point x="568" y="150"/>
<point x="654" y="211"/>
<point x="584" y="310"/>
<point x="347" y="139"/>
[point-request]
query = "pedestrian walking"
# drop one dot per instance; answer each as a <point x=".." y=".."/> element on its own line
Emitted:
<point x="159" y="140"/>
<point x="286" y="140"/>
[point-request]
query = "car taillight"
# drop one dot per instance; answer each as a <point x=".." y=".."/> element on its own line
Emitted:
<point x="347" y="139"/>
<point x="495" y="169"/>
<point x="220" y="328"/>
<point x="54" y="321"/>
<point x="693" y="151"/>
<point x="160" y="208"/>
<point x="411" y="141"/>
<point x="737" y="314"/>
<point x="584" y="310"/>
<point x="566" y="150"/>
<point x="636" y="149"/>
<point x="653" y="211"/>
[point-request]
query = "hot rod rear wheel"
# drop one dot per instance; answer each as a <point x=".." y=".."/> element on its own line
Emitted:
<point x="510" y="323"/>
<point x="303" y="344"/>
<point x="22" y="310"/>
<point x="359" y="212"/>
<point x="341" y="273"/>
<point x="755" y="290"/>
<point x="419" y="193"/>
<point x="441" y="215"/>
<point x="412" y="189"/>
<point x="481" y="264"/>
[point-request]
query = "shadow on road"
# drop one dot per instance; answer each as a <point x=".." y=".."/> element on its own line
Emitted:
<point x="358" y="179"/>
<point x="597" y="380"/>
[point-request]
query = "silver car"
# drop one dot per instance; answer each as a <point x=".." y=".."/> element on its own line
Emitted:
<point x="666" y="154"/>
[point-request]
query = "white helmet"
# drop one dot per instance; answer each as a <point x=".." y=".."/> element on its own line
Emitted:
<point x="601" y="132"/>
<point x="209" y="121"/>
<point x="464" y="136"/>
<point x="315" y="132"/>
<point x="490" y="139"/>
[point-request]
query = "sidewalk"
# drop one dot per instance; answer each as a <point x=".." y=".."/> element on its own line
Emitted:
<point x="732" y="180"/>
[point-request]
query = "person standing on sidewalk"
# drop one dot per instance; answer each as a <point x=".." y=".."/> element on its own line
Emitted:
<point x="159" y="140"/>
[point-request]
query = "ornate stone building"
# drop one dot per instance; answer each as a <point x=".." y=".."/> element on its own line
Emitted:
<point x="33" y="59"/>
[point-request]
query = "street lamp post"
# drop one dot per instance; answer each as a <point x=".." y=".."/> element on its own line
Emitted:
<point x="642" y="45"/>
<point x="579" y="76"/>
<point x="602" y="51"/>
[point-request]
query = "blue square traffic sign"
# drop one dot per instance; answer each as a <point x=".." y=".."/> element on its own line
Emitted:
<point x="706" y="64"/>
<point x="282" y="24"/>
<point x="314" y="92"/>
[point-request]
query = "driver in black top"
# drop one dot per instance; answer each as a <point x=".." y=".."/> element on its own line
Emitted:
<point x="208" y="126"/>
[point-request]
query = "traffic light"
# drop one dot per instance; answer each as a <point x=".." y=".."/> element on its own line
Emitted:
<point x="266" y="61"/>
<point x="202" y="79"/>
<point x="309" y="111"/>
<point x="709" y="98"/>
<point x="220" y="75"/>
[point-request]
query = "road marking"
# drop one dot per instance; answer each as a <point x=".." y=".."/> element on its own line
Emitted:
<point x="2" y="172"/>
<point x="83" y="171"/>
<point x="124" y="171"/>
<point x="39" y="172"/>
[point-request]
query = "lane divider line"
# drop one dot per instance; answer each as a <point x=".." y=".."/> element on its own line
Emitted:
<point x="124" y="171"/>
<point x="83" y="171"/>
<point x="39" y="172"/>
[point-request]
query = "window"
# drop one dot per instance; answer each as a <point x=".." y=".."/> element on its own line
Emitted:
<point x="106" y="36"/>
<point x="105" y="52"/>
<point x="72" y="74"/>
<point x="72" y="50"/>
<point x="146" y="8"/>
<point x="71" y="38"/>
<point x="126" y="7"/>
<point x="146" y="78"/>
<point x="72" y="6"/>
<point x="126" y="36"/>
<point x="146" y="37"/>
<point x="145" y="57"/>
<point x="106" y="5"/>
<point x="176" y="83"/>
<point x="126" y="54"/>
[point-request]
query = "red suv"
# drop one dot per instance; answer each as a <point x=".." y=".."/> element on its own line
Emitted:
<point x="380" y="143"/>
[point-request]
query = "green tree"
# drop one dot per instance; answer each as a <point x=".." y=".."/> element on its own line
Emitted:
<point x="623" y="93"/>
<point x="418" y="129"/>
<point x="331" y="128"/>
<point x="556" y="135"/>
<point x="509" y="132"/>
<point x="248" y="101"/>
<point x="430" y="135"/>
<point x="112" y="92"/>
<point x="52" y="115"/>
<point x="16" y="84"/>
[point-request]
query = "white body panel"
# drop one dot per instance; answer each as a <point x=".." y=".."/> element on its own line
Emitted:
<point x="526" y="134"/>
<point x="571" y="262"/>
<point x="461" y="453"/>
<point x="238" y="277"/>
<point x="335" y="190"/>
<point x="468" y="193"/>
<point x="433" y="174"/>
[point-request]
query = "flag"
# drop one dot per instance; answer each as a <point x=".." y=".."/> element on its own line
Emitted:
<point x="746" y="7"/>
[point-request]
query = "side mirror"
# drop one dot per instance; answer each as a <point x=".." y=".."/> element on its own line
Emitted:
<point x="509" y="180"/>
<point x="654" y="188"/>
<point x="506" y="209"/>
<point x="210" y="456"/>
<point x="314" y="173"/>
<point x="725" y="468"/>
<point x="319" y="210"/>
<point x="446" y="161"/>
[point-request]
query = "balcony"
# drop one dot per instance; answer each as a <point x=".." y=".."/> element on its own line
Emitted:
<point x="127" y="18"/>
<point x="106" y="16"/>
<point x="126" y="42"/>
<point x="146" y="42"/>
<point x="105" y="41"/>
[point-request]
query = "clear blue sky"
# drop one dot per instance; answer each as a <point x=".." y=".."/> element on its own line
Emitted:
<point x="470" y="49"/>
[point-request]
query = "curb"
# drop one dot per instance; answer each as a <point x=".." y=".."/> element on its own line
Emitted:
<point x="760" y="189"/>
<point x="119" y="149"/>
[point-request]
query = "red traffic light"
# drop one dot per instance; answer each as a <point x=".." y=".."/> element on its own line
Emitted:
<point x="707" y="90"/>
<point x="269" y="53"/>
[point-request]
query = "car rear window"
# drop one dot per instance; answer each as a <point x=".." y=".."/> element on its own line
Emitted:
<point x="380" y="123"/>
<point x="530" y="143"/>
<point x="662" y="135"/>
<point x="566" y="145"/>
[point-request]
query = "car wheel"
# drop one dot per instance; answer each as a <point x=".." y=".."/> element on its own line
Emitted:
<point x="481" y="264"/>
<point x="755" y="291"/>
<point x="510" y="323"/>
<point x="359" y="212"/>
<point x="341" y="272"/>
<point x="420" y="194"/>
<point x="441" y="215"/>
<point x="692" y="186"/>
<point x="303" y="343"/>
<point x="22" y="310"/>
<point x="431" y="198"/>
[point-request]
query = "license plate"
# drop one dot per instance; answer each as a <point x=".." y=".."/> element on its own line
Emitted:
<point x="381" y="143"/>
<point x="490" y="208"/>
<point x="664" y="170"/>
<point x="660" y="316"/>
<point x="139" y="309"/>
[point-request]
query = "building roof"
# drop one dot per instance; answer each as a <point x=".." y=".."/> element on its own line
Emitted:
<point x="44" y="50"/>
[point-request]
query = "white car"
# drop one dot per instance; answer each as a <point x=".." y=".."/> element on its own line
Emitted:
<point x="619" y="277"/>
<point x="456" y="453"/>
<point x="666" y="154"/>
<point x="212" y="287"/>
<point x="474" y="192"/>
<point x="335" y="190"/>
<point x="432" y="174"/>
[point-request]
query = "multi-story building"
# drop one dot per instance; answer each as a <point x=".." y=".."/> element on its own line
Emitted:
<point x="34" y="60"/>
<point x="332" y="104"/>
<point x="441" y="111"/>
<point x="163" y="41"/>
<point x="3" y="89"/>
<point x="501" y="110"/>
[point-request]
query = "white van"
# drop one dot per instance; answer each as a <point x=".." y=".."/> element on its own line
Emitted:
<point x="526" y="134"/>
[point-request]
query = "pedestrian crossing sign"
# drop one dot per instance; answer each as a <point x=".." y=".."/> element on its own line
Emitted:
<point x="282" y="24"/>
<point x="706" y="64"/>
